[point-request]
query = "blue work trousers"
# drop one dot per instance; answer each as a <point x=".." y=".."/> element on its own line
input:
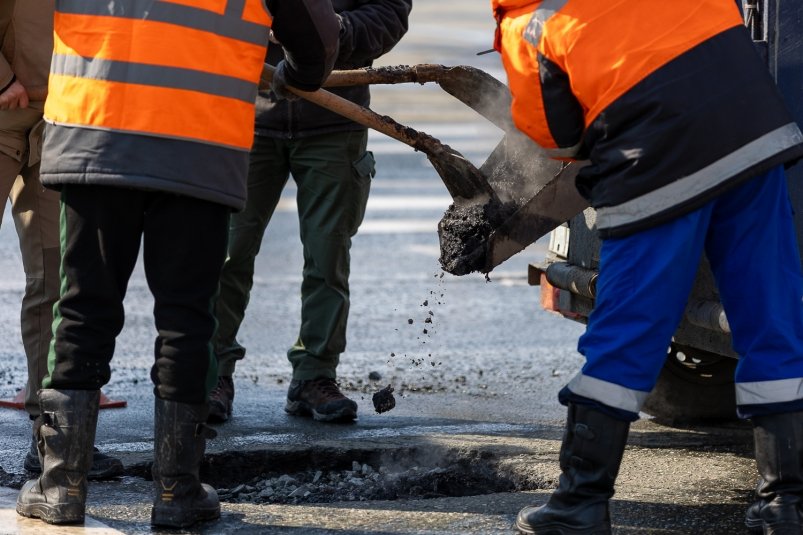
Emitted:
<point x="644" y="283"/>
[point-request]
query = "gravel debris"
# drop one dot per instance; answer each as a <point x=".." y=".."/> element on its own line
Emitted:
<point x="364" y="482"/>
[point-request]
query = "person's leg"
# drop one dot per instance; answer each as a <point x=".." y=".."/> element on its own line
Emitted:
<point x="99" y="244"/>
<point x="644" y="281"/>
<point x="754" y="256"/>
<point x="267" y="175"/>
<point x="185" y="246"/>
<point x="333" y="173"/>
<point x="101" y="229"/>
<point x="36" y="216"/>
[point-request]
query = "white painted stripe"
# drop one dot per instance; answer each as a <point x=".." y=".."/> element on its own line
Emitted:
<point x="386" y="145"/>
<point x="386" y="203"/>
<point x="406" y="184"/>
<point x="399" y="226"/>
<point x="13" y="524"/>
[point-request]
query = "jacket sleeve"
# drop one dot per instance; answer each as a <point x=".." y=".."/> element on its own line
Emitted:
<point x="370" y="30"/>
<point x="308" y="31"/>
<point x="544" y="106"/>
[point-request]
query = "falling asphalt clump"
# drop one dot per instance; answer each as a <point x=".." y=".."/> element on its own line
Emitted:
<point x="384" y="400"/>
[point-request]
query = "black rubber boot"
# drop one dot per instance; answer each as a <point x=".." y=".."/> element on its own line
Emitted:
<point x="779" y="457"/>
<point x="590" y="455"/>
<point x="65" y="434"/>
<point x="180" y="434"/>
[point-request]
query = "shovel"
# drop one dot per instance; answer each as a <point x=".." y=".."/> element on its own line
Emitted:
<point x="536" y="192"/>
<point x="465" y="183"/>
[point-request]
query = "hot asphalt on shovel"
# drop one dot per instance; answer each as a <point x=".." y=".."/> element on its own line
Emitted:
<point x="535" y="193"/>
<point x="517" y="196"/>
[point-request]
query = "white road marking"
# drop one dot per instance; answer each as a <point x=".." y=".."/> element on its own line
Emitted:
<point x="13" y="524"/>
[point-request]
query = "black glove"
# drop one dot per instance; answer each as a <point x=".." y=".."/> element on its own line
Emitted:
<point x="279" y="85"/>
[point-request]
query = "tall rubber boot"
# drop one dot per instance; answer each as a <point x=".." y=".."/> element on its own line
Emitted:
<point x="590" y="456"/>
<point x="65" y="436"/>
<point x="180" y="434"/>
<point x="779" y="457"/>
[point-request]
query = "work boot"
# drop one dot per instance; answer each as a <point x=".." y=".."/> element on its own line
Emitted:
<point x="103" y="466"/>
<point x="590" y="456"/>
<point x="180" y="434"/>
<point x="221" y="399"/>
<point x="779" y="457"/>
<point x="65" y="434"/>
<point x="321" y="399"/>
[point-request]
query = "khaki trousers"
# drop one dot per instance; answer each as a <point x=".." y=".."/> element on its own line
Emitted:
<point x="35" y="211"/>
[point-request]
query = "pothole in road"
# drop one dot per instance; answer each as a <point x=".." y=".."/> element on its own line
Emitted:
<point x="339" y="475"/>
<point x="362" y="476"/>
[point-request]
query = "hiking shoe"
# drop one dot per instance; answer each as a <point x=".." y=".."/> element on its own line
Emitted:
<point x="321" y="399"/>
<point x="103" y="466"/>
<point x="221" y="400"/>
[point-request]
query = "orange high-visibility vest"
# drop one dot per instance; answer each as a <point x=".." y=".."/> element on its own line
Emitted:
<point x="179" y="69"/>
<point x="602" y="60"/>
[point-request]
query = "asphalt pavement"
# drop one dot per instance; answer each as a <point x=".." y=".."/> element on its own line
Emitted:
<point x="477" y="391"/>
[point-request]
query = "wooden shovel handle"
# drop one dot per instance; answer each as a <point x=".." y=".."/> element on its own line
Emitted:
<point x="399" y="74"/>
<point x="364" y="116"/>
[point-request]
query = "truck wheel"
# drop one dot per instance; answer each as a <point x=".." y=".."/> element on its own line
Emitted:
<point x="694" y="386"/>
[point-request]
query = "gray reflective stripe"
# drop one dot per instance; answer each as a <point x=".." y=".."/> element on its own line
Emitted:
<point x="609" y="394"/>
<point x="154" y="75"/>
<point x="762" y="392"/>
<point x="235" y="8"/>
<point x="532" y="33"/>
<point x="703" y="180"/>
<point x="231" y="25"/>
<point x="146" y="133"/>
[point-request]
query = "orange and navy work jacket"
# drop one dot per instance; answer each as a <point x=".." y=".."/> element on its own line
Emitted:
<point x="669" y="101"/>
<point x="160" y="94"/>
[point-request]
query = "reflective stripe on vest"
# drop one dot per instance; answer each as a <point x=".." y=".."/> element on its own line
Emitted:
<point x="182" y="69"/>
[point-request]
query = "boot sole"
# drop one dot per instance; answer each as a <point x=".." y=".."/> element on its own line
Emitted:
<point x="170" y="518"/>
<point x="53" y="514"/>
<point x="558" y="529"/>
<point x="298" y="408"/>
<point x="754" y="526"/>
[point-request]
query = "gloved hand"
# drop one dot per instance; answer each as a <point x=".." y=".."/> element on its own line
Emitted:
<point x="279" y="85"/>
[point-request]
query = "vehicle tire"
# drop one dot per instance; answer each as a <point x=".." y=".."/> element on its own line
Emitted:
<point x="694" y="386"/>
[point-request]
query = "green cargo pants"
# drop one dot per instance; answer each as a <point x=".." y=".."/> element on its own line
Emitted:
<point x="333" y="173"/>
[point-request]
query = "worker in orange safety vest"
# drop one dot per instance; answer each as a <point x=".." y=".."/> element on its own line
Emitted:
<point x="686" y="137"/>
<point x="150" y="119"/>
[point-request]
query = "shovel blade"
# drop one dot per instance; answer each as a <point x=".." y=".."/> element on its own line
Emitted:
<point x="554" y="203"/>
<point x="535" y="195"/>
<point x="481" y="92"/>
<point x="465" y="183"/>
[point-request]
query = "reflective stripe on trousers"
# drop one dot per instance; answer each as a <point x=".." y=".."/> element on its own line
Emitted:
<point x="645" y="279"/>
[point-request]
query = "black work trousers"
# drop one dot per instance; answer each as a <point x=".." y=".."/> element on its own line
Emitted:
<point x="184" y="246"/>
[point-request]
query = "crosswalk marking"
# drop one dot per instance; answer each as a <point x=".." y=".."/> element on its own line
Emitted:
<point x="13" y="524"/>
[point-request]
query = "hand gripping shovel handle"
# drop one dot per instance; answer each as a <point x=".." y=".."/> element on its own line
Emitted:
<point x="461" y="177"/>
<point x="358" y="114"/>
